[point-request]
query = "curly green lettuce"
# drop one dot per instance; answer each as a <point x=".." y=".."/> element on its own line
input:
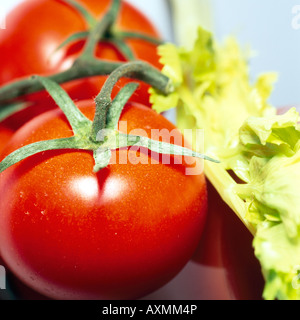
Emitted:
<point x="214" y="92"/>
<point x="271" y="149"/>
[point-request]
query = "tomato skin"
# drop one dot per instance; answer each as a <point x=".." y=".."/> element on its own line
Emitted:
<point x="5" y="134"/>
<point x="118" y="234"/>
<point x="16" y="120"/>
<point x="227" y="245"/>
<point x="36" y="54"/>
<point x="224" y="266"/>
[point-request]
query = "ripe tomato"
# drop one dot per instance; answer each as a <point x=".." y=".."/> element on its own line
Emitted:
<point x="224" y="266"/>
<point x="27" y="49"/>
<point x="20" y="117"/>
<point x="231" y="251"/>
<point x="5" y="134"/>
<point x="68" y="232"/>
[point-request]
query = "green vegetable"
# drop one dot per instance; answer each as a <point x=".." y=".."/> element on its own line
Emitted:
<point x="214" y="92"/>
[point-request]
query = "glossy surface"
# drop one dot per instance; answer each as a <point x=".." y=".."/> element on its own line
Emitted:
<point x="5" y="134"/>
<point x="67" y="232"/>
<point x="224" y="266"/>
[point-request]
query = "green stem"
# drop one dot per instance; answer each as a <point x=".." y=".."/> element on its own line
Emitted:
<point x="90" y="20"/>
<point x="117" y="105"/>
<point x="87" y="65"/>
<point x="102" y="158"/>
<point x="75" y="117"/>
<point x="34" y="148"/>
<point x="163" y="147"/>
<point x="82" y="35"/>
<point x="137" y="70"/>
<point x="80" y="69"/>
<point x="137" y="35"/>
<point x="123" y="48"/>
<point x="100" y="30"/>
<point x="107" y="137"/>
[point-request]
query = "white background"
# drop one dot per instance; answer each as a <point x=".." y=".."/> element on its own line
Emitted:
<point x="264" y="24"/>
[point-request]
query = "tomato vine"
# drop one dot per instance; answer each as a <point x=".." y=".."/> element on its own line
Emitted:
<point x="86" y="65"/>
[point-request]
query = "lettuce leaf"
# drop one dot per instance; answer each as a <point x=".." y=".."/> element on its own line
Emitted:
<point x="272" y="147"/>
<point x="213" y="90"/>
<point x="280" y="258"/>
<point x="242" y="130"/>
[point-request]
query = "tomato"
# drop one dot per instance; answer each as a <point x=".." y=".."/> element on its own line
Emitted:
<point x="121" y="233"/>
<point x="224" y="266"/>
<point x="20" y="117"/>
<point x="231" y="250"/>
<point x="5" y="134"/>
<point x="27" y="48"/>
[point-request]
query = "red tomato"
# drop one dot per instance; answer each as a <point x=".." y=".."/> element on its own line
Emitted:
<point x="224" y="266"/>
<point x="19" y="118"/>
<point x="119" y="234"/>
<point x="5" y="134"/>
<point x="27" y="48"/>
<point x="231" y="250"/>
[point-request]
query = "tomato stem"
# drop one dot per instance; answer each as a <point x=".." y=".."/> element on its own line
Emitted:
<point x="90" y="20"/>
<point x="101" y="135"/>
<point x="80" y="69"/>
<point x="123" y="48"/>
<point x="114" y="112"/>
<point x="100" y="29"/>
<point x="34" y="148"/>
<point x="82" y="35"/>
<point x="136" y="35"/>
<point x="76" y="118"/>
<point x="86" y="65"/>
<point x="136" y="70"/>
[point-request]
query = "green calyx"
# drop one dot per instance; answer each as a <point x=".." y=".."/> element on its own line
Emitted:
<point x="86" y="65"/>
<point x="101" y="135"/>
<point x="111" y="33"/>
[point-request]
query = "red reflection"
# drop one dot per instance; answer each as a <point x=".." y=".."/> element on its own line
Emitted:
<point x="224" y="266"/>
